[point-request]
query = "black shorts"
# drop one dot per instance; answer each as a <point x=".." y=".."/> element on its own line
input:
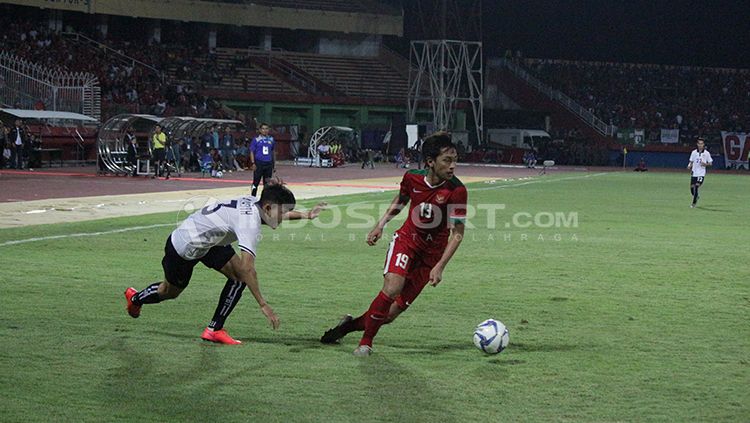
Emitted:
<point x="696" y="180"/>
<point x="263" y="170"/>
<point x="178" y="271"/>
<point x="159" y="154"/>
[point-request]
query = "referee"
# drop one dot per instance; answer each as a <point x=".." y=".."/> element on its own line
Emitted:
<point x="262" y="160"/>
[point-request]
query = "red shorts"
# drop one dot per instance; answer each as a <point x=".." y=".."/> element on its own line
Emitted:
<point x="404" y="258"/>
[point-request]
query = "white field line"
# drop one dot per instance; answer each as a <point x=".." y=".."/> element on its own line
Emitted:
<point x="159" y="225"/>
<point x="83" y="234"/>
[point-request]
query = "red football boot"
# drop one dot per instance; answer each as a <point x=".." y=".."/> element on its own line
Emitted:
<point x="219" y="336"/>
<point x="134" y="310"/>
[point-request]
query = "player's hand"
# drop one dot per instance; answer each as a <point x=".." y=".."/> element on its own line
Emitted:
<point x="316" y="210"/>
<point x="271" y="316"/>
<point x="436" y="275"/>
<point x="374" y="236"/>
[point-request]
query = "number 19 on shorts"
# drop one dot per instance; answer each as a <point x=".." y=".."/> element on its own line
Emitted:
<point x="401" y="260"/>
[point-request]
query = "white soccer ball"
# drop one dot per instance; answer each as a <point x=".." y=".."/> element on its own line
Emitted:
<point x="219" y="174"/>
<point x="491" y="336"/>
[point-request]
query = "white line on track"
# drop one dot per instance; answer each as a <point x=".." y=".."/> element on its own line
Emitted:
<point x="160" y="225"/>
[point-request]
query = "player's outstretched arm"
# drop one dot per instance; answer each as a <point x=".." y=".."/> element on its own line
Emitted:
<point x="394" y="209"/>
<point x="457" y="235"/>
<point x="246" y="273"/>
<point x="310" y="214"/>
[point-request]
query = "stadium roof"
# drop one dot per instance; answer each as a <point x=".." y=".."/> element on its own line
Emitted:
<point x="316" y="15"/>
<point x="44" y="115"/>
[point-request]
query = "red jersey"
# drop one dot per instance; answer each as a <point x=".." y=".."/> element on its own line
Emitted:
<point x="431" y="210"/>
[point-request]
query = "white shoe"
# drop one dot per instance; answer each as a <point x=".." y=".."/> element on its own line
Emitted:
<point x="362" y="351"/>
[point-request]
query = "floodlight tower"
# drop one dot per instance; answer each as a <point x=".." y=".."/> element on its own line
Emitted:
<point x="446" y="67"/>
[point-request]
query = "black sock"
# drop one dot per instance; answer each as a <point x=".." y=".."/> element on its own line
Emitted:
<point x="255" y="190"/>
<point x="354" y="325"/>
<point x="229" y="298"/>
<point x="692" y="190"/>
<point x="150" y="295"/>
<point x="695" y="195"/>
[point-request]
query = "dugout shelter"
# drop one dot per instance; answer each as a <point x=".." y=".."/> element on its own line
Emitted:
<point x="112" y="146"/>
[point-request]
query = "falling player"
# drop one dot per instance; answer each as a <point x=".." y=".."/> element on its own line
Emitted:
<point x="206" y="236"/>
<point x="421" y="248"/>
<point x="700" y="159"/>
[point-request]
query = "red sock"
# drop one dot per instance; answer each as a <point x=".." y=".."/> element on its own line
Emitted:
<point x="375" y="317"/>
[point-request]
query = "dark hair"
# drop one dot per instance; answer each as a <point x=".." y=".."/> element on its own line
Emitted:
<point x="277" y="194"/>
<point x="262" y="124"/>
<point x="435" y="143"/>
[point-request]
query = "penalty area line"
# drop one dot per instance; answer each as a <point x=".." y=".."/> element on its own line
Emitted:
<point x="83" y="234"/>
<point x="537" y="180"/>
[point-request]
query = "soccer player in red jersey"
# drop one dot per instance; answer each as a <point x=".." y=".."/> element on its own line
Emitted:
<point x="421" y="248"/>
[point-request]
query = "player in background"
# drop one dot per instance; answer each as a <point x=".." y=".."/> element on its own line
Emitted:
<point x="262" y="157"/>
<point x="421" y="248"/>
<point x="206" y="236"/>
<point x="700" y="159"/>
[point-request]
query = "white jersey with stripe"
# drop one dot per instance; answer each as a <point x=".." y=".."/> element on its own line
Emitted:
<point x="697" y="158"/>
<point x="219" y="224"/>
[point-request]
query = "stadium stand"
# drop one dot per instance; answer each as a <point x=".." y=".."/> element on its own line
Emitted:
<point x="696" y="100"/>
<point x="165" y="79"/>
<point x="355" y="76"/>
<point x="287" y="72"/>
<point x="225" y="69"/>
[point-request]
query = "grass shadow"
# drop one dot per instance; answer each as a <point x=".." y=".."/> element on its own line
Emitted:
<point x="192" y="336"/>
<point x="431" y="349"/>
<point x="501" y="362"/>
<point x="542" y="347"/>
<point x="141" y="388"/>
<point x="296" y="344"/>
<point x="712" y="209"/>
<point x="400" y="393"/>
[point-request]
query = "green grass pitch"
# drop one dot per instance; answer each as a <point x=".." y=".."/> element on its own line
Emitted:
<point x="634" y="309"/>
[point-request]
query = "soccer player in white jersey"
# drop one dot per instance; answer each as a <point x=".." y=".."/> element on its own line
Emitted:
<point x="700" y="159"/>
<point x="206" y="236"/>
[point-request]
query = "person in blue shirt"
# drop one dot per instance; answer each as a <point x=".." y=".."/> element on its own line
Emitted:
<point x="262" y="160"/>
<point x="227" y="150"/>
<point x="207" y="141"/>
<point x="215" y="138"/>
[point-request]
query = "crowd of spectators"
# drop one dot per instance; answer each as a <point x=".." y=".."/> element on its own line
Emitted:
<point x="651" y="97"/>
<point x="19" y="147"/>
<point x="126" y="86"/>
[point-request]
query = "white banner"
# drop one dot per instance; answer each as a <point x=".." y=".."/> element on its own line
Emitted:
<point x="670" y="136"/>
<point x="736" y="148"/>
<point x="639" y="136"/>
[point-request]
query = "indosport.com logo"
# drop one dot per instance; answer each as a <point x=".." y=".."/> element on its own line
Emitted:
<point x="365" y="215"/>
<point x="482" y="216"/>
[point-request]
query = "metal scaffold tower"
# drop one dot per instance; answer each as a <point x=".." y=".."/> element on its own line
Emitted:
<point x="446" y="74"/>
